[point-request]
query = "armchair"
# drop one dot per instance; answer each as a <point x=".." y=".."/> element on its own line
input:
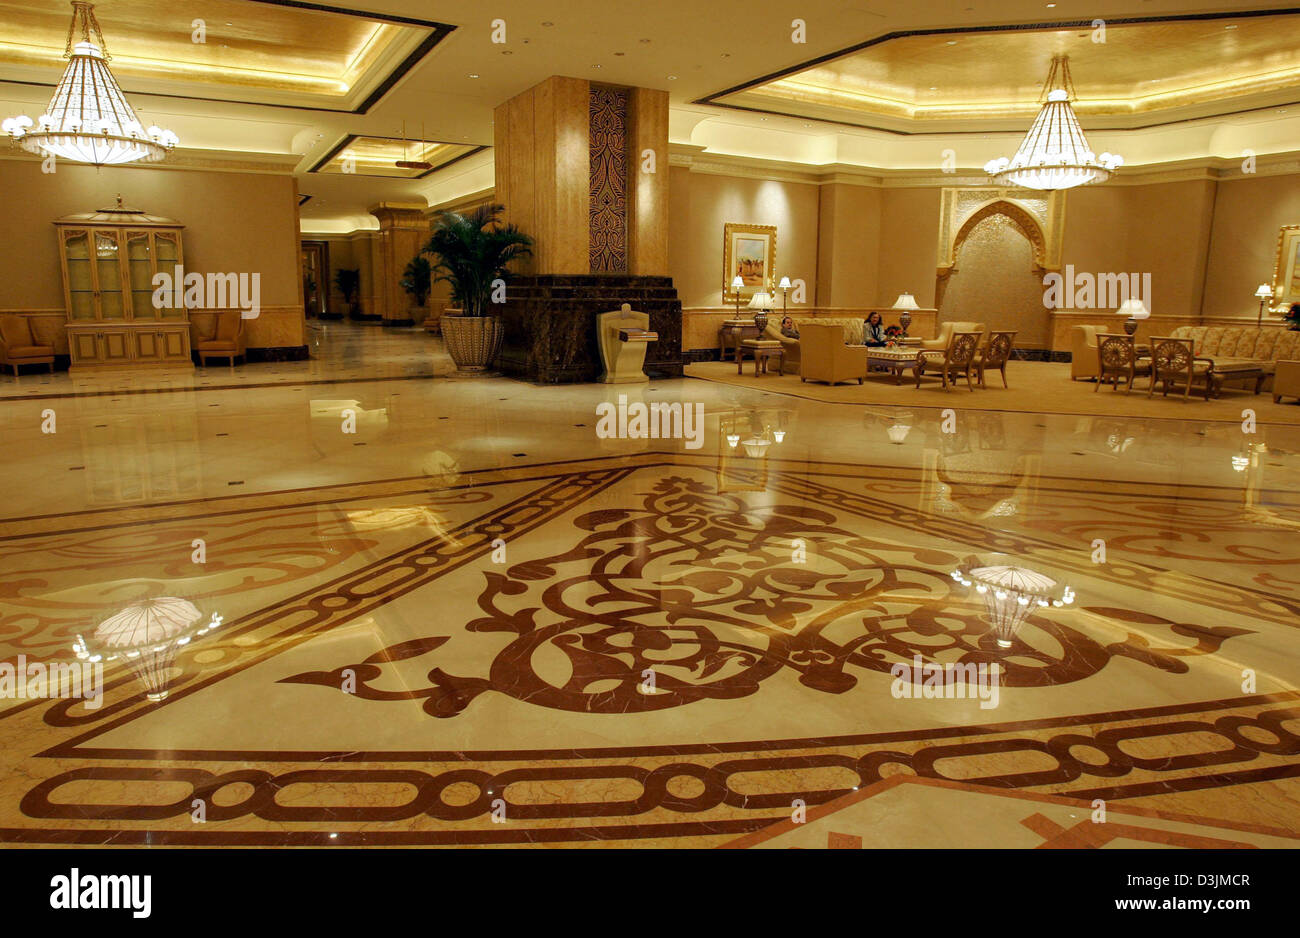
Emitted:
<point x="994" y="356"/>
<point x="957" y="358"/>
<point x="17" y="345"/>
<point x="1286" y="381"/>
<point x="826" y="357"/>
<point x="946" y="330"/>
<point x="229" y="342"/>
<point x="1172" y="361"/>
<point x="1083" y="352"/>
<point x="1117" y="360"/>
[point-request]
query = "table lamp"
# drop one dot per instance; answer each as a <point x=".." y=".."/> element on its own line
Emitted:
<point x="903" y="304"/>
<point x="1135" y="309"/>
<point x="761" y="304"/>
<point x="1263" y="294"/>
<point x="737" y="284"/>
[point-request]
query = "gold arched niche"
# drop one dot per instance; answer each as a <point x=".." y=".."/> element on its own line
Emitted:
<point x="1040" y="217"/>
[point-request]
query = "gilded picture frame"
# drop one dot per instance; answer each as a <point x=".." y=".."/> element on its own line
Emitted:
<point x="1286" y="273"/>
<point x="750" y="252"/>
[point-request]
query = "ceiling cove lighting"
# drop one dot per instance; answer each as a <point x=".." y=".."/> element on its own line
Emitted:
<point x="1054" y="154"/>
<point x="88" y="119"/>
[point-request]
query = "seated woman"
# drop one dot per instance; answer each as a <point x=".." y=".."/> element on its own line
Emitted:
<point x="787" y="328"/>
<point x="873" y="331"/>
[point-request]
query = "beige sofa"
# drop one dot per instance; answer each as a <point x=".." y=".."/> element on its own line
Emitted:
<point x="1286" y="381"/>
<point x="1242" y="346"/>
<point x="1083" y="352"/>
<point x="827" y="357"/>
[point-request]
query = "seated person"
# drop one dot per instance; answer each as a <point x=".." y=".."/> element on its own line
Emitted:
<point x="787" y="328"/>
<point x="873" y="331"/>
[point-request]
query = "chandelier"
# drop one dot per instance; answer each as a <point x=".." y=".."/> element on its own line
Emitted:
<point x="88" y="120"/>
<point x="1054" y="154"/>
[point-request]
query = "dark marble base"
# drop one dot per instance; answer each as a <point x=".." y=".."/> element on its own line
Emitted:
<point x="1039" y="355"/>
<point x="405" y="323"/>
<point x="691" y="356"/>
<point x="279" y="353"/>
<point x="332" y="317"/>
<point x="366" y="317"/>
<point x="550" y="325"/>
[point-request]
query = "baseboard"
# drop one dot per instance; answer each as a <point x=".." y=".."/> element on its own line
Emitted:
<point x="279" y="353"/>
<point x="404" y="323"/>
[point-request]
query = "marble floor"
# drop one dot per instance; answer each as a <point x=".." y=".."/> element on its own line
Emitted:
<point x="450" y="613"/>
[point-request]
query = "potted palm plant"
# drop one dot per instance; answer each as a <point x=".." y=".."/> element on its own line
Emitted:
<point x="472" y="250"/>
<point x="417" y="281"/>
<point x="348" y="282"/>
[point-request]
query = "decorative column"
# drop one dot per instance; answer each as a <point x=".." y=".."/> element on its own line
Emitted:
<point x="583" y="169"/>
<point x="403" y="230"/>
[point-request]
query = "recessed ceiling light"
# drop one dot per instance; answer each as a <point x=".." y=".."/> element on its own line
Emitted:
<point x="934" y="87"/>
<point x="618" y="53"/>
<point x="643" y="40"/>
<point x="506" y="52"/>
<point x="952" y="42"/>
<point x="672" y="77"/>
<point x="548" y="23"/>
<point x="1231" y="26"/>
<point x="726" y="55"/>
<point x="1051" y="5"/>
<point x="473" y="76"/>
<point x="596" y="66"/>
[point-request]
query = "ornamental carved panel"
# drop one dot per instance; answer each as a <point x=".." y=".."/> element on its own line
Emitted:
<point x="608" y="190"/>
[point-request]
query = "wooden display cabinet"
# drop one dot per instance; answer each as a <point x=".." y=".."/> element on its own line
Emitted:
<point x="109" y="259"/>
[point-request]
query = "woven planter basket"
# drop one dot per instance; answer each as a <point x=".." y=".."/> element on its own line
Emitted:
<point x="472" y="341"/>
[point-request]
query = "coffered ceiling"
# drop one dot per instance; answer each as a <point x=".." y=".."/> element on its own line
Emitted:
<point x="282" y="81"/>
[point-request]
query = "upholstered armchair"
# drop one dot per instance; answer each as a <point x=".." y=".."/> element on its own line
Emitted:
<point x="228" y="342"/>
<point x="1286" y="381"/>
<point x="1172" y="362"/>
<point x="994" y="355"/>
<point x="1083" y="352"/>
<point x="789" y="361"/>
<point x="957" y="359"/>
<point x="18" y="347"/>
<point x="825" y="357"/>
<point x="1117" y="360"/>
<point x="940" y="342"/>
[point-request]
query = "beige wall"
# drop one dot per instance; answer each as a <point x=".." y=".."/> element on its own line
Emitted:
<point x="1248" y="213"/>
<point x="240" y="222"/>
<point x="700" y="204"/>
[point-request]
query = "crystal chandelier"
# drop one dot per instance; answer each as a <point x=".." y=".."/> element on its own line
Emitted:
<point x="1054" y="154"/>
<point x="88" y="119"/>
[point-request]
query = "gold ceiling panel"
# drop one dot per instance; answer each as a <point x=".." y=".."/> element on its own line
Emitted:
<point x="378" y="156"/>
<point x="254" y="51"/>
<point x="1144" y="72"/>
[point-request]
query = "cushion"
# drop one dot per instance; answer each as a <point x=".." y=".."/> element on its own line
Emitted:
<point x="29" y="351"/>
<point x="216" y="346"/>
<point x="227" y="327"/>
<point x="15" y="331"/>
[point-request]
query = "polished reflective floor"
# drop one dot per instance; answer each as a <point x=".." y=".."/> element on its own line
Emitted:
<point x="450" y="612"/>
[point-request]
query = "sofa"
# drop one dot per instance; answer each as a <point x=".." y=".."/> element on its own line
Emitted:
<point x="826" y="356"/>
<point x="1242" y="346"/>
<point x="1083" y="352"/>
<point x="1286" y="380"/>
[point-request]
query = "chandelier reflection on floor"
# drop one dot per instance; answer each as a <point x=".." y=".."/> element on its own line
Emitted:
<point x="1010" y="594"/>
<point x="89" y="120"/>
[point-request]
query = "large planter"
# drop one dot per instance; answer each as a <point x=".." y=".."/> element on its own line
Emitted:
<point x="472" y="341"/>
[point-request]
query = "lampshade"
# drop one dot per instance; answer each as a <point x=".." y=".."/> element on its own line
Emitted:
<point x="905" y="301"/>
<point x="784" y="284"/>
<point x="88" y="119"/>
<point x="737" y="283"/>
<point x="761" y="300"/>
<point x="1054" y="154"/>
<point x="1134" y="309"/>
<point x="1264" y="292"/>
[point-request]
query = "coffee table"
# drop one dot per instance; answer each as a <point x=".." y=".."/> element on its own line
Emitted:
<point x="763" y="349"/>
<point x="894" y="360"/>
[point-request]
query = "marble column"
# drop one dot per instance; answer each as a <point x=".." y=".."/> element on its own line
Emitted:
<point x="583" y="169"/>
<point x="403" y="230"/>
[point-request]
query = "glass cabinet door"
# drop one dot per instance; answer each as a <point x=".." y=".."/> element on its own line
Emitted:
<point x="108" y="275"/>
<point x="81" y="281"/>
<point x="139" y="274"/>
<point x="167" y="255"/>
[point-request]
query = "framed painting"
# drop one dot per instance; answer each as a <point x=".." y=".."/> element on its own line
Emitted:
<point x="748" y="252"/>
<point x="1286" y="276"/>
